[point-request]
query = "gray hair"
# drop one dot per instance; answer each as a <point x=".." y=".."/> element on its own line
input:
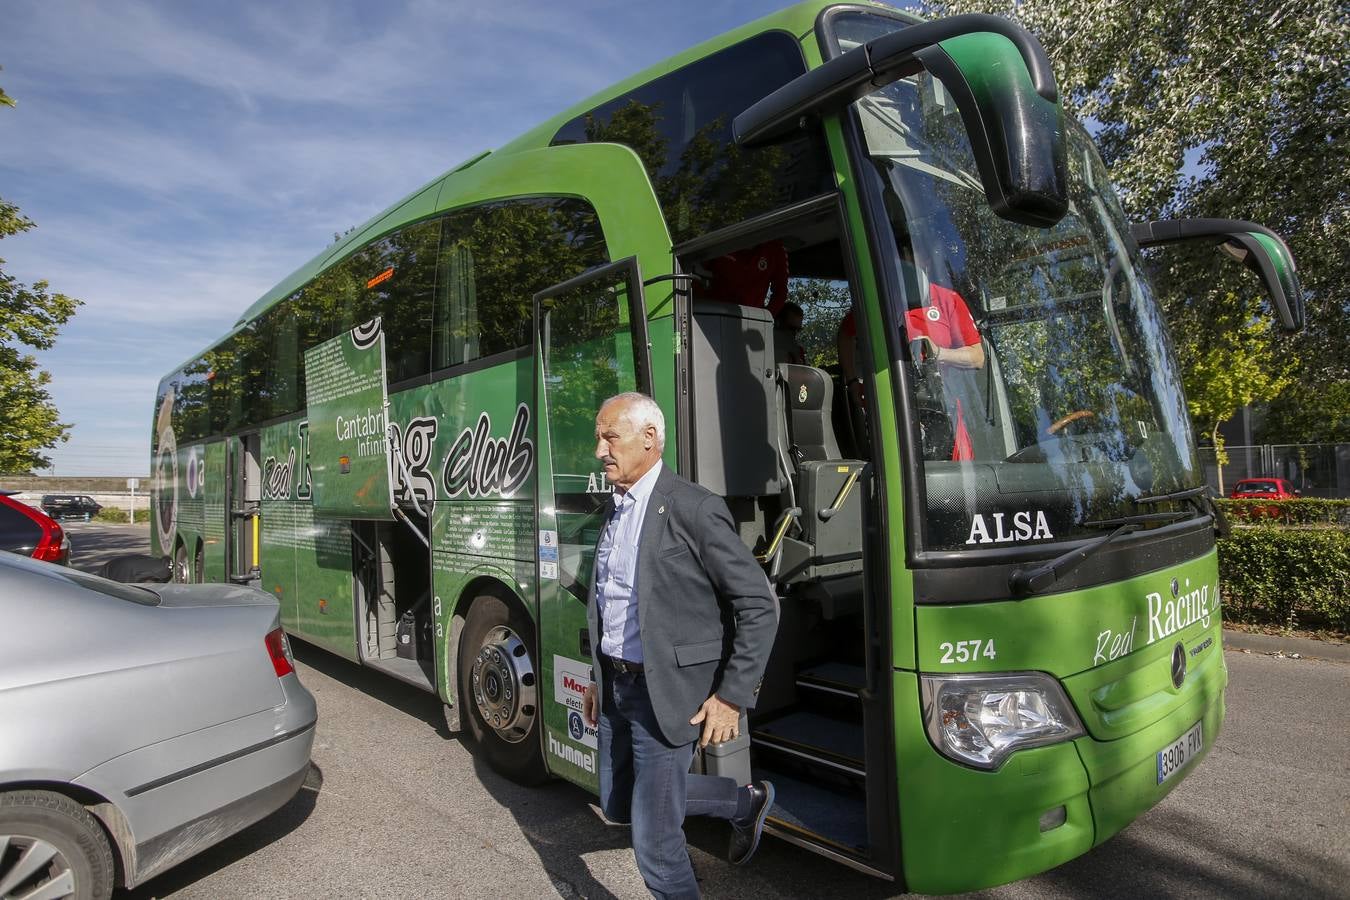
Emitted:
<point x="641" y="412"/>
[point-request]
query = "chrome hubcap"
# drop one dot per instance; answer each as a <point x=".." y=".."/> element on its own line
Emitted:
<point x="504" y="684"/>
<point x="30" y="867"/>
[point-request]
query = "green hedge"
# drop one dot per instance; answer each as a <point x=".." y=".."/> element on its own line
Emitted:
<point x="113" y="514"/>
<point x="1303" y="511"/>
<point x="1288" y="577"/>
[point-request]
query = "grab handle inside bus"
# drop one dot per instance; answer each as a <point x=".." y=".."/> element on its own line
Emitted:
<point x="1003" y="85"/>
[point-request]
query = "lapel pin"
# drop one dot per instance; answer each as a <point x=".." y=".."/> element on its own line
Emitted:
<point x="661" y="511"/>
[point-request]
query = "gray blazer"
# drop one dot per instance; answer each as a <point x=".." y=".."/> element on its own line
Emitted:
<point x="706" y="613"/>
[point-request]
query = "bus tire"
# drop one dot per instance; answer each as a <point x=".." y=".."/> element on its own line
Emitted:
<point x="499" y="688"/>
<point x="54" y="824"/>
<point x="181" y="575"/>
<point x="199" y="565"/>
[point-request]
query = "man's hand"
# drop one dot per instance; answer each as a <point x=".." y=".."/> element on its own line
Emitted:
<point x="721" y="720"/>
<point x="590" y="705"/>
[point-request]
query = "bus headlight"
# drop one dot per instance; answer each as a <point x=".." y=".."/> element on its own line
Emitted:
<point x="979" y="720"/>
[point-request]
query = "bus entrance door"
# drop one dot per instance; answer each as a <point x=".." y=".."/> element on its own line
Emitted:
<point x="243" y="487"/>
<point x="590" y="344"/>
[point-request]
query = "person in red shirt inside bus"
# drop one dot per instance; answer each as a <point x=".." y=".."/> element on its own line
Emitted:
<point x="950" y="338"/>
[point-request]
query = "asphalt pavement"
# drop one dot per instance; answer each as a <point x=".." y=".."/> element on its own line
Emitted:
<point x="94" y="543"/>
<point x="396" y="807"/>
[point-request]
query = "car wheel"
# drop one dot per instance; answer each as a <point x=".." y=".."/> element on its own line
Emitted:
<point x="498" y="688"/>
<point x="50" y="846"/>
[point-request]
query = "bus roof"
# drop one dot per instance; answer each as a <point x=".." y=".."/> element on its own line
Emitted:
<point x="798" y="20"/>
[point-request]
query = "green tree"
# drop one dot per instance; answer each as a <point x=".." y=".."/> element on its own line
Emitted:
<point x="824" y="304"/>
<point x="1230" y="373"/>
<point x="30" y="316"/>
<point x="1253" y="95"/>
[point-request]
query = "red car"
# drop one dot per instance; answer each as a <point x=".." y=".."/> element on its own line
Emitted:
<point x="31" y="532"/>
<point x="1263" y="489"/>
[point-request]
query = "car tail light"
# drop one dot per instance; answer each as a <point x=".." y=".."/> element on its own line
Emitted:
<point x="51" y="546"/>
<point x="280" y="650"/>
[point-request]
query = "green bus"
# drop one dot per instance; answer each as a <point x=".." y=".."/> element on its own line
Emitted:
<point x="1000" y="629"/>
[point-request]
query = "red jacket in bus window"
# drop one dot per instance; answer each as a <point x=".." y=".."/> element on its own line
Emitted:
<point x="747" y="276"/>
<point x="947" y="322"/>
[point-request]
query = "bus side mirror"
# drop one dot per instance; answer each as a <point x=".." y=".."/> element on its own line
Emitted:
<point x="1003" y="86"/>
<point x="1255" y="246"/>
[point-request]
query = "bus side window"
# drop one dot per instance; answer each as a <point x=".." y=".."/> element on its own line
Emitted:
<point x="284" y="361"/>
<point x="493" y="259"/>
<point x="399" y="273"/>
<point x="218" y="365"/>
<point x="455" y="327"/>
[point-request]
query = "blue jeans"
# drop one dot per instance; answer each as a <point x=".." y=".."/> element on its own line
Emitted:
<point x="646" y="782"/>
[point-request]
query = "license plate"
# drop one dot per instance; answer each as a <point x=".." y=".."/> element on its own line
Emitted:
<point x="1174" y="757"/>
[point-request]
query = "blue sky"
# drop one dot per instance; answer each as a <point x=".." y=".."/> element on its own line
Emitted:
<point x="180" y="158"/>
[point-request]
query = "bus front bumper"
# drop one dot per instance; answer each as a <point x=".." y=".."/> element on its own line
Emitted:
<point x="963" y="829"/>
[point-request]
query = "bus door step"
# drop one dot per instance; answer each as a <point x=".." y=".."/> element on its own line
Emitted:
<point x="833" y="688"/>
<point x="810" y="742"/>
<point x="804" y="808"/>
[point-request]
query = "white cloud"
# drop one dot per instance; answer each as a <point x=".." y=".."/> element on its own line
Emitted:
<point x="181" y="159"/>
<point x="311" y="53"/>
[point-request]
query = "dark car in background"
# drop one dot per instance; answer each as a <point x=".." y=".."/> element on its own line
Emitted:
<point x="64" y="506"/>
<point x="31" y="532"/>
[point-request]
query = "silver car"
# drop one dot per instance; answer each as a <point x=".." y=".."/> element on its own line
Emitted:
<point x="138" y="725"/>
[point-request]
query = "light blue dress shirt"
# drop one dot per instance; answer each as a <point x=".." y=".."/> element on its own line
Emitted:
<point x="616" y="559"/>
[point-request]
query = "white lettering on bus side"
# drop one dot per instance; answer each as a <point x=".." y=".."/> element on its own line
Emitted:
<point x="277" y="477"/>
<point x="414" y="444"/>
<point x="479" y="464"/>
<point x="368" y="425"/>
<point x="582" y="759"/>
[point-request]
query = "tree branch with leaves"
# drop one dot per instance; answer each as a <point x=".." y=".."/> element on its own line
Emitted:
<point x="1223" y="109"/>
<point x="30" y="317"/>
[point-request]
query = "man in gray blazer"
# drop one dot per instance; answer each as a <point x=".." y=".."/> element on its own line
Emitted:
<point x="682" y="620"/>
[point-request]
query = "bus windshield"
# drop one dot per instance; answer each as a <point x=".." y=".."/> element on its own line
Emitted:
<point x="1045" y="392"/>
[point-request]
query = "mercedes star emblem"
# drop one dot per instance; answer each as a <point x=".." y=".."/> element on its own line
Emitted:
<point x="1178" y="664"/>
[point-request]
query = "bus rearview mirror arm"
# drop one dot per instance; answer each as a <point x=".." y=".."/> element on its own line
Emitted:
<point x="1255" y="246"/>
<point x="1003" y="85"/>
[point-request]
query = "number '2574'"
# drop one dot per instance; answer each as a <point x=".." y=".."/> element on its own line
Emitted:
<point x="967" y="651"/>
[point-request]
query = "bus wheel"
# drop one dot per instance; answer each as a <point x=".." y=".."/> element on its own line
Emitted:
<point x="498" y="688"/>
<point x="199" y="565"/>
<point x="181" y="575"/>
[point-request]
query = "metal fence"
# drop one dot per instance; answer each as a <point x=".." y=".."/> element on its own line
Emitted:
<point x="1317" y="470"/>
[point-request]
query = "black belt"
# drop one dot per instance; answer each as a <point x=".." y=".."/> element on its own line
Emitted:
<point x="623" y="666"/>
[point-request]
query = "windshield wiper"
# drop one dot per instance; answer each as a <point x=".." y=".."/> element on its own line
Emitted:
<point x="1204" y="505"/>
<point x="1026" y="581"/>
<point x="1175" y="495"/>
<point x="1141" y="519"/>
